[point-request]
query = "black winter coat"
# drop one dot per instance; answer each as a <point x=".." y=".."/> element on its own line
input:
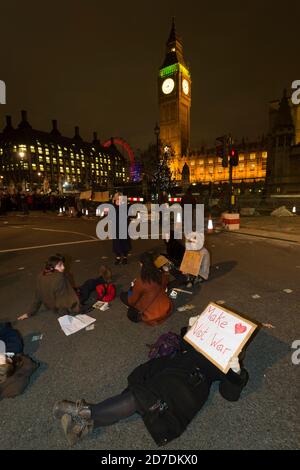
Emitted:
<point x="170" y="391"/>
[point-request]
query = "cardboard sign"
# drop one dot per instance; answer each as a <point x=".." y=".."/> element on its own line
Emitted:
<point x="191" y="262"/>
<point x="101" y="197"/>
<point x="86" y="195"/>
<point x="161" y="261"/>
<point x="219" y="334"/>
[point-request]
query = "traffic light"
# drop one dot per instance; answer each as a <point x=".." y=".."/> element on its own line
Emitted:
<point x="234" y="157"/>
<point x="221" y="151"/>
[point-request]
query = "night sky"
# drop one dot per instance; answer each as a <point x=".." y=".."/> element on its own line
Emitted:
<point x="95" y="63"/>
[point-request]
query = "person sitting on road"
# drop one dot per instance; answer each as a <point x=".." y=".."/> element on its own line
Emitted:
<point x="54" y="290"/>
<point x="15" y="367"/>
<point x="167" y="392"/>
<point x="99" y="287"/>
<point x="148" y="301"/>
<point x="195" y="242"/>
<point x="175" y="249"/>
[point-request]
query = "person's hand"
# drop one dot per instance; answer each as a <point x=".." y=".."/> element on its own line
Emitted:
<point x="235" y="365"/>
<point x="193" y="320"/>
<point x="23" y="317"/>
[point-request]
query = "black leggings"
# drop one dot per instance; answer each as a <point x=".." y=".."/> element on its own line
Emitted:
<point x="114" y="409"/>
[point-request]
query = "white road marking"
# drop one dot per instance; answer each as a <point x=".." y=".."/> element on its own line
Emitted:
<point x="64" y="231"/>
<point x="21" y="269"/>
<point x="287" y="291"/>
<point x="11" y="250"/>
<point x="256" y="296"/>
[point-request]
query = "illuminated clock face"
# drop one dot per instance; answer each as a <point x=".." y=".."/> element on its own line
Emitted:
<point x="168" y="86"/>
<point x="185" y="86"/>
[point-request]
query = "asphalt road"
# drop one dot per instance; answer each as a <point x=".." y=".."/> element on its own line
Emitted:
<point x="95" y="364"/>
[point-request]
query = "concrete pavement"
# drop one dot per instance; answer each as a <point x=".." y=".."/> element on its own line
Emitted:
<point x="251" y="275"/>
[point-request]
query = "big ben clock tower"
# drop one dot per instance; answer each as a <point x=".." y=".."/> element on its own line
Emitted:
<point x="174" y="91"/>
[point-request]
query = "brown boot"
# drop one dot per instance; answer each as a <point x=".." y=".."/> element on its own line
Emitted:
<point x="76" y="427"/>
<point x="78" y="408"/>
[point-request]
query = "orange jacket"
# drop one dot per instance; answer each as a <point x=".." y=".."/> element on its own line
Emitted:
<point x="151" y="300"/>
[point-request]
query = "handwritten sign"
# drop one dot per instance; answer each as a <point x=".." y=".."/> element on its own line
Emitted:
<point x="219" y="334"/>
<point x="191" y="262"/>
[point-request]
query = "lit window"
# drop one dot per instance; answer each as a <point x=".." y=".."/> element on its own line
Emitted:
<point x="210" y="162"/>
<point x="264" y="155"/>
<point x="48" y="159"/>
<point x="60" y="153"/>
<point x="193" y="163"/>
<point x="252" y="167"/>
<point x="41" y="159"/>
<point x="47" y="151"/>
<point x="54" y="160"/>
<point x="32" y="149"/>
<point x="61" y="161"/>
<point x="201" y="162"/>
<point x="78" y="171"/>
<point x="41" y="167"/>
<point x="61" y="169"/>
<point x="252" y="156"/>
<point x="241" y="157"/>
<point x="40" y="150"/>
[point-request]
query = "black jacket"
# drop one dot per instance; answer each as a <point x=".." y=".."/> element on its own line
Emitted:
<point x="170" y="391"/>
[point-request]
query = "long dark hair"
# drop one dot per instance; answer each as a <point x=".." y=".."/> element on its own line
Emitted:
<point x="52" y="262"/>
<point x="149" y="272"/>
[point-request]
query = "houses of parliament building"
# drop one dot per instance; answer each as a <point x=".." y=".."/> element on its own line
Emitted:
<point x="273" y="159"/>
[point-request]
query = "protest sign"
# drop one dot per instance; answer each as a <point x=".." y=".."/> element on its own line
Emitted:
<point x="191" y="262"/>
<point x="219" y="334"/>
<point x="101" y="196"/>
<point x="86" y="195"/>
<point x="71" y="325"/>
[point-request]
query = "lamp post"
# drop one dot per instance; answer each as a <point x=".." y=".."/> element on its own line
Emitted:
<point x="22" y="156"/>
<point x="156" y="131"/>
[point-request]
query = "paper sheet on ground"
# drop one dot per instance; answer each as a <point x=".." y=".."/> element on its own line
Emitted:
<point x="219" y="334"/>
<point x="71" y="325"/>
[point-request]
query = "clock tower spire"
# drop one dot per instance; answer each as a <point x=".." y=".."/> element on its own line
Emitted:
<point x="174" y="94"/>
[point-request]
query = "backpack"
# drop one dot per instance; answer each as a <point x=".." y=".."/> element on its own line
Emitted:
<point x="168" y="344"/>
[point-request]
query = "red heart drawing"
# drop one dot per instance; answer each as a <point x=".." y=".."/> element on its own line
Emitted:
<point x="239" y="329"/>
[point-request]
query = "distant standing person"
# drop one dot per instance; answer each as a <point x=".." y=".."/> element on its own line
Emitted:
<point x="121" y="246"/>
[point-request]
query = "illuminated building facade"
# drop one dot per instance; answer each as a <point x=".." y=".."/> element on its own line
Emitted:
<point x="32" y="156"/>
<point x="274" y="159"/>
